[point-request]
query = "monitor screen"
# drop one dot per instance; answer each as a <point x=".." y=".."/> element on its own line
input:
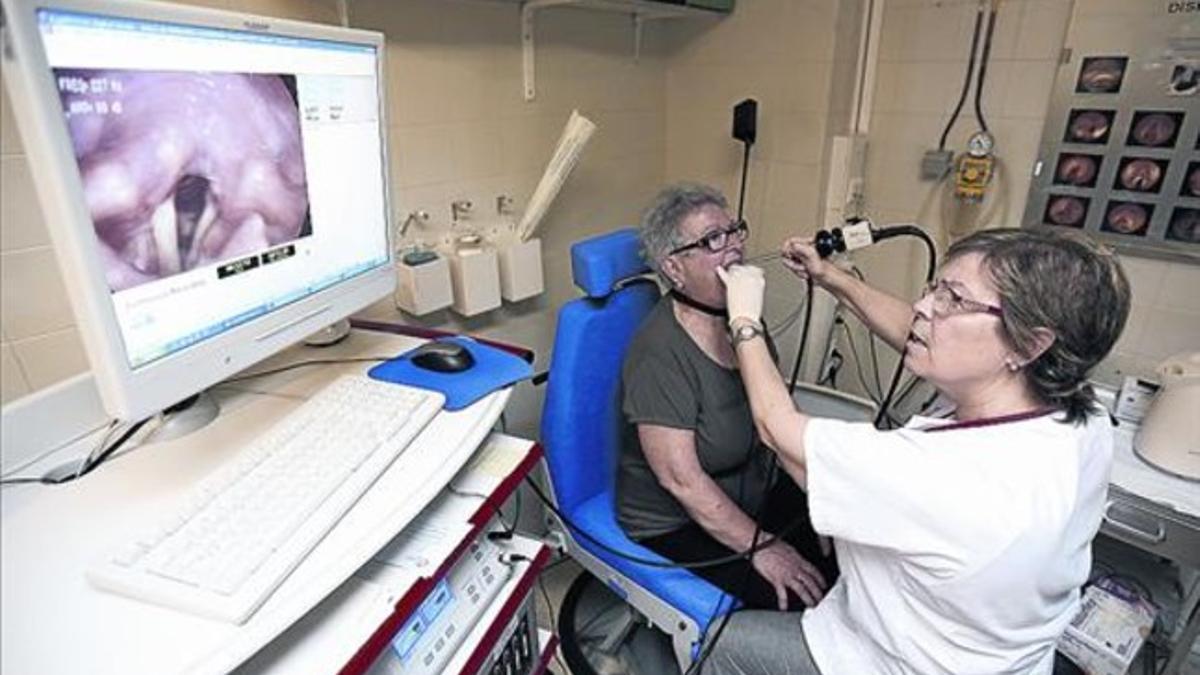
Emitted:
<point x="225" y="171"/>
<point x="205" y="157"/>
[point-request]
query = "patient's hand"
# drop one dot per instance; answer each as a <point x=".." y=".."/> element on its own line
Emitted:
<point x="786" y="569"/>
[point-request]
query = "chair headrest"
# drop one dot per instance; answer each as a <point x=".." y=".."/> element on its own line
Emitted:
<point x="598" y="264"/>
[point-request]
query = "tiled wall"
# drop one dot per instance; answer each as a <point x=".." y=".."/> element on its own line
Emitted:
<point x="460" y="129"/>
<point x="38" y="343"/>
<point x="780" y="53"/>
<point x="796" y="58"/>
<point x="922" y="60"/>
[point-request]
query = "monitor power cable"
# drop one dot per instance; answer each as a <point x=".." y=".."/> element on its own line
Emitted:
<point x="101" y="452"/>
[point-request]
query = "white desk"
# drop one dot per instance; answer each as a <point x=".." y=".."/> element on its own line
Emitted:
<point x="53" y="621"/>
<point x="1158" y="513"/>
<point x="352" y="628"/>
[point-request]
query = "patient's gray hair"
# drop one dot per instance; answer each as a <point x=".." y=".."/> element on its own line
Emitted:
<point x="1062" y="281"/>
<point x="659" y="232"/>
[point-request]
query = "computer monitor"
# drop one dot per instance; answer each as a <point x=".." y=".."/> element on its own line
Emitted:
<point x="214" y="184"/>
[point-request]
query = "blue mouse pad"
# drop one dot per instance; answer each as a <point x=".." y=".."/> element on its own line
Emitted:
<point x="493" y="369"/>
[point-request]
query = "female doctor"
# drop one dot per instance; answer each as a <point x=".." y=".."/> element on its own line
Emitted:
<point x="963" y="541"/>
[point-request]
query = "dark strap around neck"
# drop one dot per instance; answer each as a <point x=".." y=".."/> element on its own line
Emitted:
<point x="992" y="421"/>
<point x="696" y="304"/>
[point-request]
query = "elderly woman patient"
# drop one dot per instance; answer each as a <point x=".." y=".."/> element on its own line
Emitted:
<point x="692" y="472"/>
<point x="962" y="541"/>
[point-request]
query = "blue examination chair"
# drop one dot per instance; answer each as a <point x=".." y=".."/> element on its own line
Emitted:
<point x="581" y="435"/>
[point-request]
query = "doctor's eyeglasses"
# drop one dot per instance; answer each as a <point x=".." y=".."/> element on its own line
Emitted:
<point x="715" y="242"/>
<point x="947" y="301"/>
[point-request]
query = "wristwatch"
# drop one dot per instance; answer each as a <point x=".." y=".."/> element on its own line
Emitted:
<point x="745" y="331"/>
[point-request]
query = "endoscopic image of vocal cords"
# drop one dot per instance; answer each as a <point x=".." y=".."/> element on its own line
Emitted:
<point x="181" y="170"/>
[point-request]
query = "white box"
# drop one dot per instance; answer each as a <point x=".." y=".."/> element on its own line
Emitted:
<point x="521" y="269"/>
<point x="1134" y="399"/>
<point x="1106" y="634"/>
<point x="475" y="276"/>
<point x="423" y="288"/>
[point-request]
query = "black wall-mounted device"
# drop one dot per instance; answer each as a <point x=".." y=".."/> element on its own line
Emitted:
<point x="745" y="121"/>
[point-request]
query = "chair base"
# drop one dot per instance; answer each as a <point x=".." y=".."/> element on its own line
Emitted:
<point x="601" y="634"/>
<point x="685" y="634"/>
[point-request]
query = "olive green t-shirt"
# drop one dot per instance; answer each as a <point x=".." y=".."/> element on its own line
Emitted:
<point x="668" y="381"/>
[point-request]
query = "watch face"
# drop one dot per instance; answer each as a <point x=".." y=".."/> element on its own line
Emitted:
<point x="746" y="332"/>
<point x="981" y="144"/>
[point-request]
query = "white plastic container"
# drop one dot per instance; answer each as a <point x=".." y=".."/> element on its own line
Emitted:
<point x="423" y="288"/>
<point x="521" y="269"/>
<point x="475" y="277"/>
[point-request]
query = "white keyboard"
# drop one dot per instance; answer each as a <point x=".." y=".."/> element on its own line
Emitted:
<point x="254" y="520"/>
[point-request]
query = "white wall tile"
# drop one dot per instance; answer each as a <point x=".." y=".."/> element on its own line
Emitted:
<point x="10" y="140"/>
<point x="1119" y="364"/>
<point x="1027" y="89"/>
<point x="797" y="137"/>
<point x="477" y="150"/>
<point x="13" y="384"/>
<point x="1180" y="290"/>
<point x="1169" y="332"/>
<point x="1135" y="326"/>
<point x="788" y="186"/>
<point x="934" y="32"/>
<point x="1145" y="278"/>
<point x="34" y="301"/>
<point x="1043" y="28"/>
<point x="51" y="357"/>
<point x="424" y="154"/>
<point x="1008" y="28"/>
<point x="922" y="86"/>
<point x="20" y="214"/>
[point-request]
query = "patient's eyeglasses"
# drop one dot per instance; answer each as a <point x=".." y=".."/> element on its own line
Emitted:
<point x="947" y="301"/>
<point x="716" y="241"/>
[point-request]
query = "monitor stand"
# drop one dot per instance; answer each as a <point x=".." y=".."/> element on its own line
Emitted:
<point x="191" y="414"/>
<point x="181" y="419"/>
<point x="329" y="335"/>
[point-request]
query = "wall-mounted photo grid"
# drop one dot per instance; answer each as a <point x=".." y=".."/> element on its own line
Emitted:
<point x="1120" y="151"/>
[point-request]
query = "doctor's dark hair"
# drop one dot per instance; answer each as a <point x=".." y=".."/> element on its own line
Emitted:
<point x="659" y="232"/>
<point x="1064" y="282"/>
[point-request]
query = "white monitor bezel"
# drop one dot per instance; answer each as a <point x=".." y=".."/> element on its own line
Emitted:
<point x="128" y="393"/>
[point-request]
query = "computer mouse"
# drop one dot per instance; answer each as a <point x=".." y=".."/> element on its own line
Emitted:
<point x="442" y="357"/>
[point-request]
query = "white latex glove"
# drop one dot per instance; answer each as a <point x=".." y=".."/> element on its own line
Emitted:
<point x="744" y="288"/>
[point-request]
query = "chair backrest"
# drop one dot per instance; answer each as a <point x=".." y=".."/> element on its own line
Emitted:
<point x="581" y="419"/>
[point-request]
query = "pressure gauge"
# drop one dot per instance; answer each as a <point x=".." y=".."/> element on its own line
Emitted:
<point x="981" y="144"/>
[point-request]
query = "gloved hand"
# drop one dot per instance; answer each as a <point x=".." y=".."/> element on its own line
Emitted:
<point x="744" y="288"/>
<point x="800" y="256"/>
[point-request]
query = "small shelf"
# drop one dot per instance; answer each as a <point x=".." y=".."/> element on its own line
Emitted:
<point x="647" y="9"/>
<point x="640" y="11"/>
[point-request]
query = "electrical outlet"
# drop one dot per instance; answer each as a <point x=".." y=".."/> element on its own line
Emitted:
<point x="936" y="164"/>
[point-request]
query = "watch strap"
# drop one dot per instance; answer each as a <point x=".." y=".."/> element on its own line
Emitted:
<point x="745" y="330"/>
